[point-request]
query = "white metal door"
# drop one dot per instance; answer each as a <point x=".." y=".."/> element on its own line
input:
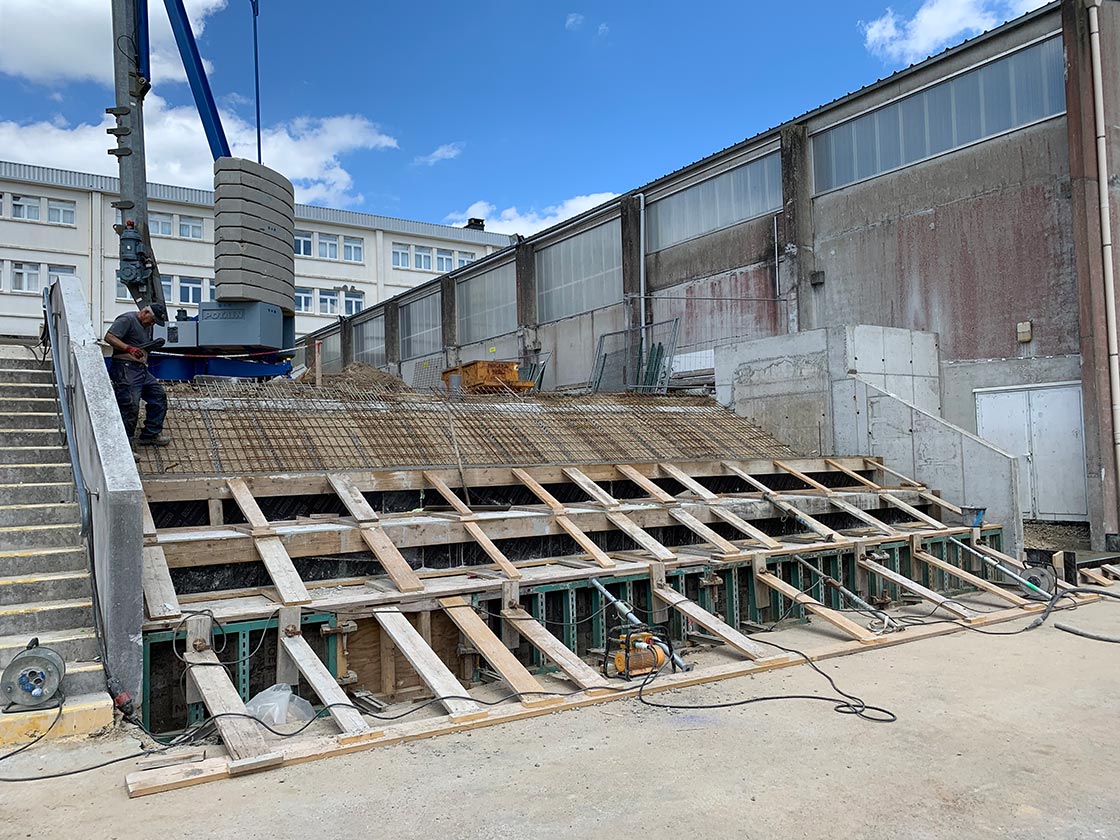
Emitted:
<point x="1058" y="453"/>
<point x="1043" y="427"/>
<point x="1003" y="418"/>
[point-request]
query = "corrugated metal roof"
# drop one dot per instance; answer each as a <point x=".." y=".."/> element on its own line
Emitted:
<point x="185" y="195"/>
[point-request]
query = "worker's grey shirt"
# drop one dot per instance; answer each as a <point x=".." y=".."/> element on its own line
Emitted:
<point x="127" y="328"/>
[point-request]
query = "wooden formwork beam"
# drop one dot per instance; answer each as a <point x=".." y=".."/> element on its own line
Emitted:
<point x="323" y="683"/>
<point x="555" y="651"/>
<point x="160" y="599"/>
<point x="597" y="493"/>
<point x="712" y="623"/>
<point x="916" y="588"/>
<point x="970" y="579"/>
<point x="288" y="583"/>
<point x="785" y="507"/>
<point x="838" y="620"/>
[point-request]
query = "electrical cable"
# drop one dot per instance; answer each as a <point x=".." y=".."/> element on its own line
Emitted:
<point x="41" y="735"/>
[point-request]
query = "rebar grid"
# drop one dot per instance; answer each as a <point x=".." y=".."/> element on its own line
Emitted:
<point x="239" y="428"/>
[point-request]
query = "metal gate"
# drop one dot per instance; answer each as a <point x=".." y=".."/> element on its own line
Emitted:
<point x="1043" y="427"/>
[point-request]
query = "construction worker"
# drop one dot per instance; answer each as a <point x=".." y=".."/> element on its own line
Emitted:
<point x="129" y="336"/>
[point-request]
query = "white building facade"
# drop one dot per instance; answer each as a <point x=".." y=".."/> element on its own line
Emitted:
<point x="54" y="221"/>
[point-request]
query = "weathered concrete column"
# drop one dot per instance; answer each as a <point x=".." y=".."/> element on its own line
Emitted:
<point x="1095" y="394"/>
<point x="526" y="285"/>
<point x="796" y="228"/>
<point x="449" y="320"/>
<point x="346" y="341"/>
<point x="393" y="335"/>
<point x="638" y="310"/>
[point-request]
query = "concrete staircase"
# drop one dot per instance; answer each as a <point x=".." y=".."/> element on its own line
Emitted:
<point x="44" y="573"/>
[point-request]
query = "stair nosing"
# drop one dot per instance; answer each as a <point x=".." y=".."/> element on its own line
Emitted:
<point x="40" y="577"/>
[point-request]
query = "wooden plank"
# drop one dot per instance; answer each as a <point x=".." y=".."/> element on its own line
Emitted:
<point x="491" y="649"/>
<point x="703" y="531"/>
<point x="597" y="493"/>
<point x="159" y="591"/>
<point x="492" y="551"/>
<point x="904" y="479"/>
<point x="688" y="482"/>
<point x="646" y="484"/>
<point x="836" y="619"/>
<point x="970" y="579"/>
<point x="288" y="583"/>
<point x="537" y="490"/>
<point x="585" y="542"/>
<point x="324" y="684"/>
<point x="428" y="666"/>
<point x="391" y="560"/>
<point x="800" y="476"/>
<point x="1095" y="577"/>
<point x="290" y="621"/>
<point x="712" y="623"/>
<point x="216" y="512"/>
<point x="241" y="736"/>
<point x="554" y="650"/>
<point x="861" y="515"/>
<point x="866" y="482"/>
<point x="448" y="494"/>
<point x="1014" y="563"/>
<point x="887" y="497"/>
<point x="641" y="537"/>
<point x="352" y="498"/>
<point x="916" y="588"/>
<point x="747" y="528"/>
<point x="941" y="503"/>
<point x="148" y="523"/>
<point x="772" y="497"/>
<point x="248" y="505"/>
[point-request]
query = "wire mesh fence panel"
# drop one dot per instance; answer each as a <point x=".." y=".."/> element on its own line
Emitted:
<point x="635" y="359"/>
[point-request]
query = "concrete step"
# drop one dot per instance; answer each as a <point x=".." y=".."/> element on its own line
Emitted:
<point x="35" y="473"/>
<point x="34" y="454"/>
<point x="52" y="586"/>
<point x="31" y="561"/>
<point x="82" y="715"/>
<point x="22" y="405"/>
<point x="39" y="514"/>
<point x="17" y="537"/>
<point x="33" y="618"/>
<point x="74" y="646"/>
<point x="47" y="492"/>
<point x="29" y="437"/>
<point x="26" y="390"/>
<point x="25" y="361"/>
<point x="35" y="376"/>
<point x="37" y="420"/>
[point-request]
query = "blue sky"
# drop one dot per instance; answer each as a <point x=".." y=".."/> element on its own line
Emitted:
<point x="522" y="112"/>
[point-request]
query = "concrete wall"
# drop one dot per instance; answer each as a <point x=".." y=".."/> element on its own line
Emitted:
<point x="572" y="343"/>
<point x="964" y="468"/>
<point x="960" y="379"/>
<point x="109" y="470"/>
<point x="786" y="383"/>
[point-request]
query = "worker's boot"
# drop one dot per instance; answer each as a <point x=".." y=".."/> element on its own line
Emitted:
<point x="159" y="440"/>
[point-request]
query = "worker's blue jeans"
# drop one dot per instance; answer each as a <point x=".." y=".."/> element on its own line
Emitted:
<point x="132" y="382"/>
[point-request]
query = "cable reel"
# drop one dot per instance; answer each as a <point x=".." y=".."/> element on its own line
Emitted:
<point x="32" y="678"/>
<point x="1041" y="574"/>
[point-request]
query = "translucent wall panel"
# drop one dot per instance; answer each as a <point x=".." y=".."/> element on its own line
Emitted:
<point x="581" y="273"/>
<point x="1013" y="91"/>
<point x="421" y="327"/>
<point x="332" y="353"/>
<point x="741" y="193"/>
<point x="487" y="304"/>
<point x="369" y="342"/>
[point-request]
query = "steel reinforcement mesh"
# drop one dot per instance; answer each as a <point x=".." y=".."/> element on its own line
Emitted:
<point x="220" y="428"/>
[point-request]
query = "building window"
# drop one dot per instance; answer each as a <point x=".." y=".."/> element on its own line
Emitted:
<point x="25" y="207"/>
<point x="303" y="243"/>
<point x="1005" y="94"/>
<point x="56" y="271"/>
<point x="445" y="260"/>
<point x="352" y="248"/>
<point x="190" y="227"/>
<point x="421" y="327"/>
<point x="60" y="212"/>
<point x="400" y="255"/>
<point x="581" y="273"/>
<point x="465" y="258"/>
<point x="190" y="290"/>
<point x="25" y="277"/>
<point x="211" y="290"/>
<point x="305" y="299"/>
<point x="159" y="224"/>
<point x="369" y="341"/>
<point x="423" y="258"/>
<point x="487" y="304"/>
<point x="1" y="207"/>
<point x="328" y="302"/>
<point x="328" y="246"/>
<point x="353" y="303"/>
<point x="168" y="295"/>
<point x="750" y="190"/>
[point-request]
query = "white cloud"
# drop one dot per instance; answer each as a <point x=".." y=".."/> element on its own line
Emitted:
<point x="512" y="220"/>
<point x="448" y="151"/>
<point x="573" y="21"/>
<point x="72" y="40"/>
<point x="307" y="150"/>
<point x="604" y="30"/>
<point x="937" y="24"/>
